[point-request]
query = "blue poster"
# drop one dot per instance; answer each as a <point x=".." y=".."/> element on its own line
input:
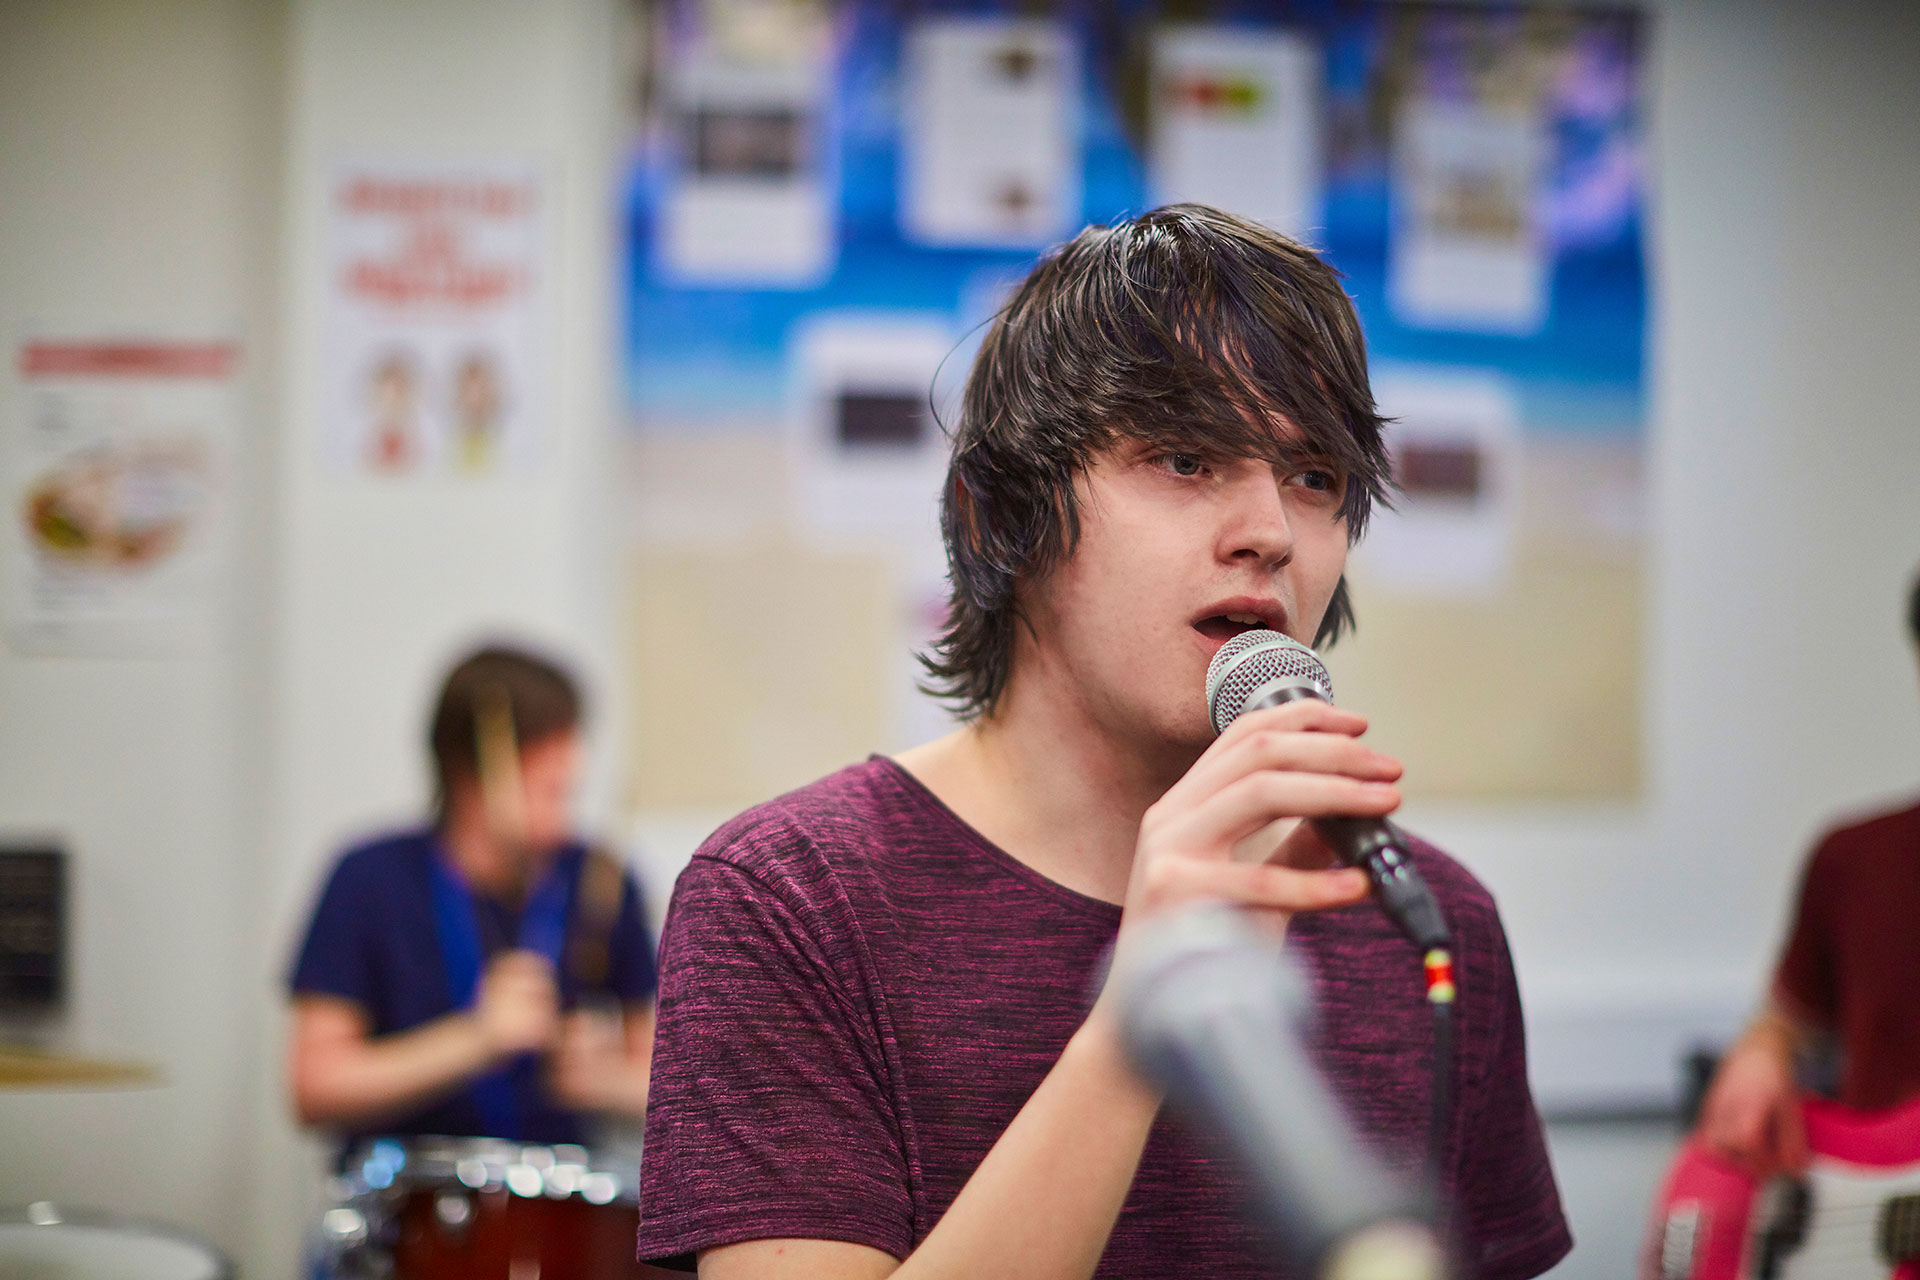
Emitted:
<point x="825" y="208"/>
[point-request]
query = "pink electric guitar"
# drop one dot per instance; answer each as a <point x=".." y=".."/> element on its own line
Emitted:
<point x="1855" y="1215"/>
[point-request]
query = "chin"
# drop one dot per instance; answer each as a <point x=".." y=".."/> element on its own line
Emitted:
<point x="1186" y="730"/>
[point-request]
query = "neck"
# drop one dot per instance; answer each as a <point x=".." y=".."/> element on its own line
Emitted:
<point x="1048" y="782"/>
<point x="482" y="858"/>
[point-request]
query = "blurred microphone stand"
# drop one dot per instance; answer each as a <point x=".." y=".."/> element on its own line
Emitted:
<point x="1210" y="1009"/>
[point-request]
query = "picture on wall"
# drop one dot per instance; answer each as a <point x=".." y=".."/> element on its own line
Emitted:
<point x="118" y="475"/>
<point x="434" y="306"/>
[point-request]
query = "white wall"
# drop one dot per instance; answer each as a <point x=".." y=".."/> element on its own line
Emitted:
<point x="379" y="584"/>
<point x="138" y="145"/>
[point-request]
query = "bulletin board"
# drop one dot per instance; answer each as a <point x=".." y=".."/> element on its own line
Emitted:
<point x="827" y="202"/>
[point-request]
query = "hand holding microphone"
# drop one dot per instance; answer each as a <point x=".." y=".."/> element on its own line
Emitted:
<point x="1259" y="670"/>
<point x="1302" y="760"/>
<point x="1259" y="673"/>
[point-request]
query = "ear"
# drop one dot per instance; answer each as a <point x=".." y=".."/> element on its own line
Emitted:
<point x="459" y="790"/>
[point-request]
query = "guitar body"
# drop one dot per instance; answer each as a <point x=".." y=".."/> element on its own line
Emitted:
<point x="1855" y="1215"/>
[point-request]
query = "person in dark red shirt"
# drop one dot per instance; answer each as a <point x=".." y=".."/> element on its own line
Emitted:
<point x="1846" y="976"/>
<point x="882" y="1050"/>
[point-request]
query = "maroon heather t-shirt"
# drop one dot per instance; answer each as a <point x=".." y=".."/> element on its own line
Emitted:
<point x="858" y="992"/>
<point x="1850" y="961"/>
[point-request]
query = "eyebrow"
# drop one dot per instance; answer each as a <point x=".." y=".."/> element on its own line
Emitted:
<point x="1280" y="453"/>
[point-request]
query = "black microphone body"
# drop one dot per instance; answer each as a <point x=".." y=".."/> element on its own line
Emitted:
<point x="1375" y="846"/>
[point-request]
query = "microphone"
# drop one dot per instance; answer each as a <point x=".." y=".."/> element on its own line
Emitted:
<point x="1208" y="1009"/>
<point x="1260" y="669"/>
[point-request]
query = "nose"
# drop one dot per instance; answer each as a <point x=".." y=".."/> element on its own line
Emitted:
<point x="1254" y="525"/>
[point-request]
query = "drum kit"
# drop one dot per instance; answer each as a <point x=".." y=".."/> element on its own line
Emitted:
<point x="400" y="1209"/>
<point x="481" y="1209"/>
<point x="430" y="1208"/>
<point x="412" y="1209"/>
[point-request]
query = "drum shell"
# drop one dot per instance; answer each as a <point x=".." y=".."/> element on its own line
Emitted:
<point x="482" y="1209"/>
<point x="510" y="1237"/>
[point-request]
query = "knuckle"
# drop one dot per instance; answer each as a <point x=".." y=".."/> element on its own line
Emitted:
<point x="1164" y="875"/>
<point x="1154" y="818"/>
<point x="1246" y="726"/>
<point x="1279" y="746"/>
<point x="1263" y="790"/>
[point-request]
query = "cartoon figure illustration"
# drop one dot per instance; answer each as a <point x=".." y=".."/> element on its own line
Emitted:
<point x="478" y="404"/>
<point x="393" y="397"/>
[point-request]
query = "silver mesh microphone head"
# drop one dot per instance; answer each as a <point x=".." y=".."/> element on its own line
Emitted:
<point x="1251" y="663"/>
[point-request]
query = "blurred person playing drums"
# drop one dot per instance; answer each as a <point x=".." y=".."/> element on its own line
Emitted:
<point x="487" y="974"/>
<point x="1845" y="980"/>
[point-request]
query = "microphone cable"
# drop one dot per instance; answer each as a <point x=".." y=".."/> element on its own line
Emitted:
<point x="1441" y="992"/>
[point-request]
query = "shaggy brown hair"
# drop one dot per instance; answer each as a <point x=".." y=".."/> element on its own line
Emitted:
<point x="538" y="696"/>
<point x="1185" y="328"/>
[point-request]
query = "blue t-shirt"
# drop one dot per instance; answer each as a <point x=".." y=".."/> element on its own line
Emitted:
<point x="375" y="940"/>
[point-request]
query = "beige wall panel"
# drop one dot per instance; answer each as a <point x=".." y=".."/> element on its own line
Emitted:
<point x="755" y="670"/>
<point x="1533" y="694"/>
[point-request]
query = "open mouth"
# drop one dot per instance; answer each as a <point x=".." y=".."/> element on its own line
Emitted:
<point x="1222" y="627"/>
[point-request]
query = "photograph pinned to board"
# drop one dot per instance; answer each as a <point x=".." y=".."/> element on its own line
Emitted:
<point x="748" y="200"/>
<point x="1454" y="438"/>
<point x="117" y="473"/>
<point x="990" y="153"/>
<point x="1236" y="123"/>
<point x="435" y="309"/>
<point x="1469" y="252"/>
<point x="866" y="455"/>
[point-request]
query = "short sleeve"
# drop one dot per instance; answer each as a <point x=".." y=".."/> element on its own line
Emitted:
<point x="1508" y="1215"/>
<point x="769" y="1115"/>
<point x="632" y="973"/>
<point x="338" y="958"/>
<point x="1806" y="981"/>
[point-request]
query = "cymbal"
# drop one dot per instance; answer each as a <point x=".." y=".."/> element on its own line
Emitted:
<point x="23" y="1068"/>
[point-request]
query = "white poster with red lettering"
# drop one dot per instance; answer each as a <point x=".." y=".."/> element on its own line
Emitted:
<point x="117" y="474"/>
<point x="435" y="305"/>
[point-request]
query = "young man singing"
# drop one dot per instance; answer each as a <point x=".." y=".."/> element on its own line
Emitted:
<point x="880" y="1050"/>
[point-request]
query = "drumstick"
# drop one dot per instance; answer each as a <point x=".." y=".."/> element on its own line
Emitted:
<point x="588" y="958"/>
<point x="497" y="761"/>
<point x="497" y="757"/>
